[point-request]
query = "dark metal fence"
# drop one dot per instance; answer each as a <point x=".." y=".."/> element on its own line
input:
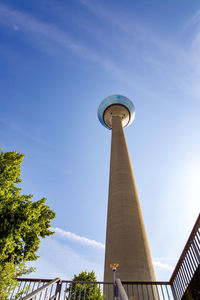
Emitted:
<point x="70" y="290"/>
<point x="66" y="289"/>
<point x="188" y="265"/>
<point x="101" y="290"/>
<point x="29" y="285"/>
<point x="159" y="290"/>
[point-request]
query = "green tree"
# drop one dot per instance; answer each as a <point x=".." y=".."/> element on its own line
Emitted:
<point x="80" y="290"/>
<point x="22" y="223"/>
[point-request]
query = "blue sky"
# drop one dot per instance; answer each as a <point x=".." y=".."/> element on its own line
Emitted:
<point x="58" y="60"/>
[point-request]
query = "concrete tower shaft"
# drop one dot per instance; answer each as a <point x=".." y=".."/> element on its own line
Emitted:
<point x="126" y="239"/>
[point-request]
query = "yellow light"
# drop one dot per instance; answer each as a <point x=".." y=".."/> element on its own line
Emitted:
<point x="114" y="265"/>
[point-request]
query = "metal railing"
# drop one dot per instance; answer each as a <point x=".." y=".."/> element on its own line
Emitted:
<point x="50" y="290"/>
<point x="185" y="279"/>
<point x="188" y="264"/>
<point x="76" y="290"/>
<point x="86" y="290"/>
<point x="152" y="290"/>
<point x="107" y="290"/>
<point x="29" y="288"/>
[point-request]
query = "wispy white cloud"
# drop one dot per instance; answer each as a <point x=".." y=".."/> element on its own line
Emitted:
<point x="21" y="131"/>
<point x="177" y="60"/>
<point x="192" y="27"/>
<point x="193" y="21"/>
<point x="176" y="63"/>
<point x="59" y="260"/>
<point x="49" y="37"/>
<point x="163" y="266"/>
<point x="93" y="243"/>
<point x="29" y="24"/>
<point x="77" y="238"/>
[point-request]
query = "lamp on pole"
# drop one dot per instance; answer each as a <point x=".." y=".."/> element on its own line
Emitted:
<point x="114" y="267"/>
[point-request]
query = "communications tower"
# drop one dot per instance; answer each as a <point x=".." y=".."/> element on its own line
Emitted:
<point x="126" y="239"/>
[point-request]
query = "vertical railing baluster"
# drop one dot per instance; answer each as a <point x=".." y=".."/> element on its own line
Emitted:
<point x="186" y="271"/>
<point x="127" y="290"/>
<point x="50" y="293"/>
<point x="94" y="290"/>
<point x="109" y="290"/>
<point x="28" y="287"/>
<point x="198" y="239"/>
<point x="133" y="293"/>
<point x="196" y="254"/>
<point x="40" y="293"/>
<point x="33" y="286"/>
<point x="162" y="292"/>
<point x="174" y="292"/>
<point x="58" y="290"/>
<point x="19" y="286"/>
<point x="182" y="279"/>
<point x="181" y="286"/>
<point x="79" y="296"/>
<point x="37" y="287"/>
<point x="176" y="285"/>
<point x="167" y="292"/>
<point x="152" y="291"/>
<point x="138" y="291"/>
<point x="89" y="290"/>
<point x="156" y="288"/>
<point x="65" y="291"/>
<point x="45" y="294"/>
<point x="99" y="291"/>
<point x="192" y="260"/>
<point x="187" y="260"/>
<point x="13" y="291"/>
<point x="24" y="287"/>
<point x="192" y="266"/>
<point x="71" y="289"/>
<point x="195" y="241"/>
<point x="85" y="287"/>
<point x="147" y="291"/>
<point x="75" y="290"/>
<point x="142" y="292"/>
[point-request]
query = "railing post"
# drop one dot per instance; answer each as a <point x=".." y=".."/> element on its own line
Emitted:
<point x="58" y="289"/>
<point x="115" y="292"/>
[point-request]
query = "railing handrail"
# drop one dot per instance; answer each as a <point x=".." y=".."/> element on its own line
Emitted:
<point x="63" y="281"/>
<point x="121" y="290"/>
<point x="34" y="279"/>
<point x="146" y="282"/>
<point x="187" y="246"/>
<point x="96" y="282"/>
<point x="39" y="290"/>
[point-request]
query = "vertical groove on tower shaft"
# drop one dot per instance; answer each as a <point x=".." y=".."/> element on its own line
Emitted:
<point x="126" y="239"/>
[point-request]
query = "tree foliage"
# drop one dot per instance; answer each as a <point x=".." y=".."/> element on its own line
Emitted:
<point x="22" y="221"/>
<point x="80" y="290"/>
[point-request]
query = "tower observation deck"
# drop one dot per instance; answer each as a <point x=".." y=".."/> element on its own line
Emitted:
<point x="126" y="239"/>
